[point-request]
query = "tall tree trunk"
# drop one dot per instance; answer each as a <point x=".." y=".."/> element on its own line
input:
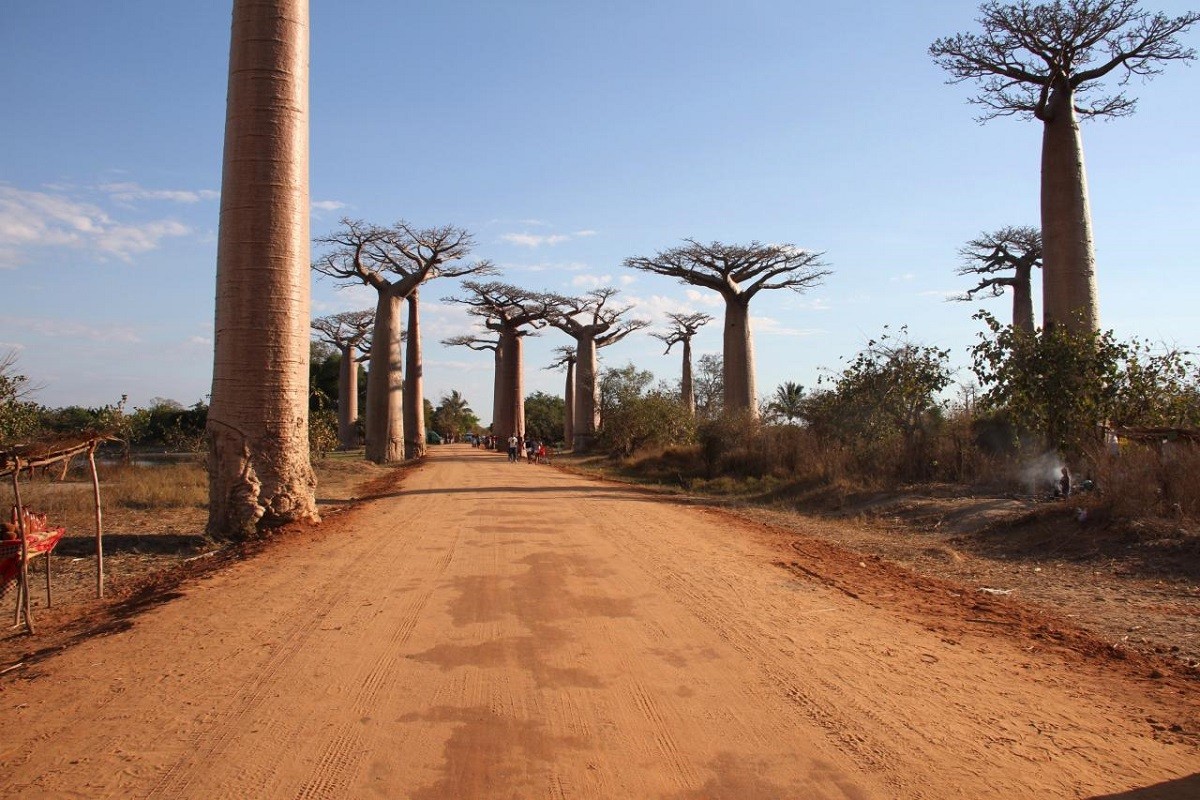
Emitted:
<point x="499" y="397"/>
<point x="258" y="465"/>
<point x="348" y="398"/>
<point x="1069" y="295"/>
<point x="1023" y="300"/>
<point x="687" y="390"/>
<point x="414" y="387"/>
<point x="740" y="394"/>
<point x="586" y="394"/>
<point x="505" y="415"/>
<point x="569" y="406"/>
<point x="515" y="367"/>
<point x="385" y="388"/>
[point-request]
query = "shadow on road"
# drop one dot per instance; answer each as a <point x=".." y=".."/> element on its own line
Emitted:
<point x="1183" y="789"/>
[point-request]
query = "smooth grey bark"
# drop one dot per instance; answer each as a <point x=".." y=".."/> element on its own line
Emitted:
<point x="348" y="398"/>
<point x="585" y="414"/>
<point x="414" y="386"/>
<point x="385" y="388"/>
<point x="686" y="388"/>
<point x="1069" y="293"/>
<point x="740" y="388"/>
<point x="258" y="465"/>
<point x="569" y="405"/>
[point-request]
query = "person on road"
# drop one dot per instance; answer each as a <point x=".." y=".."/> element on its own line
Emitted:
<point x="512" y="448"/>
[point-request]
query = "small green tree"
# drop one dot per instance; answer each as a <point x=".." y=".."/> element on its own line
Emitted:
<point x="18" y="416"/>
<point x="1056" y="384"/>
<point x="788" y="401"/>
<point x="544" y="415"/>
<point x="890" y="391"/>
<point x="453" y="417"/>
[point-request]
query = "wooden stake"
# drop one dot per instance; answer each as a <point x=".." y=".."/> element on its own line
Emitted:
<point x="23" y="589"/>
<point x="99" y="526"/>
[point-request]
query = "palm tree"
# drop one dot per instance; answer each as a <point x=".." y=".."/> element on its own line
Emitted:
<point x="259" y="469"/>
<point x="788" y="401"/>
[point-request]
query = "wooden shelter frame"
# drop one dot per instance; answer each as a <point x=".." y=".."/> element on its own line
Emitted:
<point x="61" y="450"/>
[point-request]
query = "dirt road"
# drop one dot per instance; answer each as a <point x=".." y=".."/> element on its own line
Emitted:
<point x="511" y="631"/>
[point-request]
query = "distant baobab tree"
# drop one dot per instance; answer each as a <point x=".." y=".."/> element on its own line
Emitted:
<point x="683" y="328"/>
<point x="989" y="255"/>
<point x="347" y="332"/>
<point x="567" y="358"/>
<point x="511" y="312"/>
<point x="1046" y="60"/>
<point x="258" y="463"/>
<point x="394" y="261"/>
<point x="472" y="342"/>
<point x="738" y="273"/>
<point x="593" y="324"/>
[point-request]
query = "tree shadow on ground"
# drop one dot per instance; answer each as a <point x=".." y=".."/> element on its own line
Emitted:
<point x="140" y="544"/>
<point x="1182" y="789"/>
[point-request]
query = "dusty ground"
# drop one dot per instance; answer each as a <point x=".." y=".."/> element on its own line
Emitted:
<point x="491" y="630"/>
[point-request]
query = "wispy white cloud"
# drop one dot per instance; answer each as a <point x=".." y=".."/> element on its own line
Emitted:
<point x="627" y="280"/>
<point x="908" y="276"/>
<point x="769" y="326"/>
<point x="327" y="205"/>
<point x="546" y="266"/>
<point x="707" y="299"/>
<point x="591" y="281"/>
<point x="128" y="192"/>
<point x="70" y="329"/>
<point x="30" y="220"/>
<point x="944" y="294"/>
<point x="534" y="239"/>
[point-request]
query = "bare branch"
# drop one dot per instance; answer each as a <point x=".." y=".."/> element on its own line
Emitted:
<point x="1027" y="51"/>
<point x="737" y="270"/>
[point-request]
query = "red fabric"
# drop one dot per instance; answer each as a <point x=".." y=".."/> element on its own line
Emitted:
<point x="41" y="540"/>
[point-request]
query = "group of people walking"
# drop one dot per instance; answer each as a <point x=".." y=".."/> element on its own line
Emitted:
<point x="535" y="452"/>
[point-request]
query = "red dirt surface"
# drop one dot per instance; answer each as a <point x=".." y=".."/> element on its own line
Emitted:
<point x="488" y="630"/>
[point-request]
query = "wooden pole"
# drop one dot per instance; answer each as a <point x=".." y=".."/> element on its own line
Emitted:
<point x="23" y="588"/>
<point x="99" y="526"/>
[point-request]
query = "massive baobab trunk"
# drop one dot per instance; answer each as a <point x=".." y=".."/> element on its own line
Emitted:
<point x="515" y="368"/>
<point x="587" y="395"/>
<point x="1023" y="302"/>
<point x="740" y="392"/>
<point x="385" y="386"/>
<point x="414" y="387"/>
<point x="1069" y="294"/>
<point x="686" y="389"/>
<point x="499" y="396"/>
<point x="569" y="406"/>
<point x="348" y="398"/>
<point x="259" y="469"/>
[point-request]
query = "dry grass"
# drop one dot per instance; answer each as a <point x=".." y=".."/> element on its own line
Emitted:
<point x="134" y="495"/>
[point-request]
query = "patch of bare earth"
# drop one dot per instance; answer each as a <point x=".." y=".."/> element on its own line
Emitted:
<point x="146" y="551"/>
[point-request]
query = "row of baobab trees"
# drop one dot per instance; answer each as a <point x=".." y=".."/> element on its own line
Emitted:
<point x="1040" y="60"/>
<point x="398" y="260"/>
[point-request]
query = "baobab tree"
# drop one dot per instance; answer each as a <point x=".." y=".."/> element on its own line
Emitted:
<point x="1047" y="61"/>
<point x="347" y="332"/>
<point x="394" y="261"/>
<point x="593" y="324"/>
<point x="258" y="463"/>
<point x="683" y="328"/>
<point x="512" y="313"/>
<point x="567" y="358"/>
<point x="738" y="273"/>
<point x="480" y="343"/>
<point x="1015" y="249"/>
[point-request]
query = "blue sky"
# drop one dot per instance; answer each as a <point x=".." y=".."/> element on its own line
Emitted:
<point x="566" y="137"/>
